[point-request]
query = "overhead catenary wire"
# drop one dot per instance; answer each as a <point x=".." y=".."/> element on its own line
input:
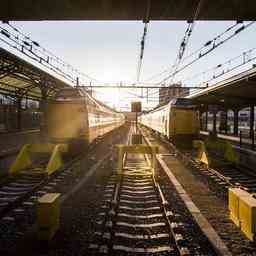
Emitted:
<point x="204" y="54"/>
<point x="32" y="49"/>
<point x="187" y="36"/>
<point x="228" y="66"/>
<point x="143" y="40"/>
<point x="141" y="51"/>
<point x="206" y="44"/>
<point x="205" y="49"/>
<point x="224" y="68"/>
<point x="184" y="43"/>
<point x="227" y="62"/>
<point x="52" y="55"/>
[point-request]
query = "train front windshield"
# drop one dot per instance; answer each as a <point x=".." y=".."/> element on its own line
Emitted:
<point x="183" y="102"/>
<point x="68" y="94"/>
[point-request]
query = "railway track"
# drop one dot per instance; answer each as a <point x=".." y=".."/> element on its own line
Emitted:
<point x="223" y="175"/>
<point x="135" y="216"/>
<point x="136" y="219"/>
<point x="22" y="190"/>
<point x="228" y="175"/>
<point x="18" y="189"/>
<point x="18" y="203"/>
<point x="19" y="194"/>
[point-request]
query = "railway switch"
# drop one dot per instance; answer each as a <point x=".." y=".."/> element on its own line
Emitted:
<point x="48" y="215"/>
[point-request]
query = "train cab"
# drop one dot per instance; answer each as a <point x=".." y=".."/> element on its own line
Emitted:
<point x="184" y="119"/>
<point x="76" y="118"/>
<point x="67" y="118"/>
<point x="178" y="120"/>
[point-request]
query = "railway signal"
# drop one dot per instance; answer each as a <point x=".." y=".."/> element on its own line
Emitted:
<point x="136" y="107"/>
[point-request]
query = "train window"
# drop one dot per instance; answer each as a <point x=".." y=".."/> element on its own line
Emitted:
<point x="67" y="93"/>
<point x="182" y="102"/>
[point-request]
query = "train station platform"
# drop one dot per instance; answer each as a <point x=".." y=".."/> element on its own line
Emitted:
<point x="12" y="141"/>
<point x="244" y="151"/>
<point x="234" y="94"/>
<point x="246" y="142"/>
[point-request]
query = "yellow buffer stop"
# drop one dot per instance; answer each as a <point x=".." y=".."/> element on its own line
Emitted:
<point x="234" y="195"/>
<point x="247" y="214"/>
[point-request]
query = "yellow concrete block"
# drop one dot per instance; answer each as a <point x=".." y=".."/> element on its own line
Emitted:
<point x="234" y="196"/>
<point x="197" y="143"/>
<point x="230" y="155"/>
<point x="201" y="153"/>
<point x="203" y="158"/>
<point x="247" y="215"/>
<point x="48" y="215"/>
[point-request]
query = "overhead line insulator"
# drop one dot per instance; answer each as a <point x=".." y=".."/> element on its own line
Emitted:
<point x="239" y="30"/>
<point x="5" y="33"/>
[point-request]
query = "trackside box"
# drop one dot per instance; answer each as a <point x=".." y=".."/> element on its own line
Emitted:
<point x="48" y="215"/>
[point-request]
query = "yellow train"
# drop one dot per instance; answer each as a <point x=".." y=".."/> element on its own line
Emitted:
<point x="178" y="121"/>
<point x="76" y="118"/>
<point x="73" y="120"/>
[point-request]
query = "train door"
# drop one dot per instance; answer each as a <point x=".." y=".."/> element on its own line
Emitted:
<point x="86" y="121"/>
<point x="169" y="122"/>
<point x="164" y="122"/>
<point x="174" y="121"/>
<point x="165" y="126"/>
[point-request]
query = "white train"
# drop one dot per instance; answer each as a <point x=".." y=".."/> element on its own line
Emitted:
<point x="178" y="120"/>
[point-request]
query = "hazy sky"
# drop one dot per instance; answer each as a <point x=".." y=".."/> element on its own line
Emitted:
<point x="109" y="51"/>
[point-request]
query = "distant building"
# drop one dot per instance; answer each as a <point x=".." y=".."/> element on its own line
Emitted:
<point x="173" y="91"/>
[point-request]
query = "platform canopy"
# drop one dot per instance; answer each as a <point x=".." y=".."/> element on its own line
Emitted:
<point x="19" y="78"/>
<point x="127" y="9"/>
<point x="236" y="91"/>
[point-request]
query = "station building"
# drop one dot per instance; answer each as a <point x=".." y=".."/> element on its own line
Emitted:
<point x="173" y="91"/>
